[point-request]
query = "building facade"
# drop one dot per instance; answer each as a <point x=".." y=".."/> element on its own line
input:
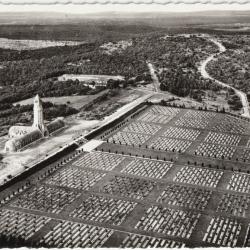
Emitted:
<point x="21" y="136"/>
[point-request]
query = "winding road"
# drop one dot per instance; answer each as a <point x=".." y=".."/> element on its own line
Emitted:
<point x="204" y="73"/>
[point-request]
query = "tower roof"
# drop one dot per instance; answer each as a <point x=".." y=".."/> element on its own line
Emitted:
<point x="37" y="99"/>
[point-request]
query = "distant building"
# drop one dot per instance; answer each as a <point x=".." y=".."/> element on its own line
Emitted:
<point x="91" y="81"/>
<point x="20" y="136"/>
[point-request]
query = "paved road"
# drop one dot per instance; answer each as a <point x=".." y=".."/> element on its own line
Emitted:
<point x="204" y="73"/>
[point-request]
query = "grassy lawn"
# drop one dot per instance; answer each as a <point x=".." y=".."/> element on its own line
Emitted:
<point x="76" y="101"/>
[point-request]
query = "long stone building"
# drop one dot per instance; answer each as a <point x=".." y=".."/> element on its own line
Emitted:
<point x="21" y="136"/>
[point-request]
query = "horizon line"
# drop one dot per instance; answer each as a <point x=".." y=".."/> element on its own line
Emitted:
<point x="123" y="8"/>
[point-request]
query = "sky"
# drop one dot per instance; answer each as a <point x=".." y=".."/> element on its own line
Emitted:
<point x="94" y="8"/>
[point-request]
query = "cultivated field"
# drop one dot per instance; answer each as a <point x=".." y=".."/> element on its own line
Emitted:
<point x="16" y="44"/>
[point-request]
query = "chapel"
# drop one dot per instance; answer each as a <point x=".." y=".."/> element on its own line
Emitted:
<point x="21" y="136"/>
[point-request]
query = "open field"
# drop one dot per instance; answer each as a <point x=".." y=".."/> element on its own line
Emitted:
<point x="235" y="27"/>
<point x="16" y="44"/>
<point x="134" y="190"/>
<point x="72" y="101"/>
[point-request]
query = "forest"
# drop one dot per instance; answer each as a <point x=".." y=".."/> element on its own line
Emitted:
<point x="176" y="58"/>
<point x="233" y="66"/>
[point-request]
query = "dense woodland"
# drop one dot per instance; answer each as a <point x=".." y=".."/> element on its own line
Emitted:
<point x="23" y="113"/>
<point x="178" y="66"/>
<point x="233" y="66"/>
<point x="176" y="60"/>
<point x="25" y="73"/>
<point x="21" y="79"/>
